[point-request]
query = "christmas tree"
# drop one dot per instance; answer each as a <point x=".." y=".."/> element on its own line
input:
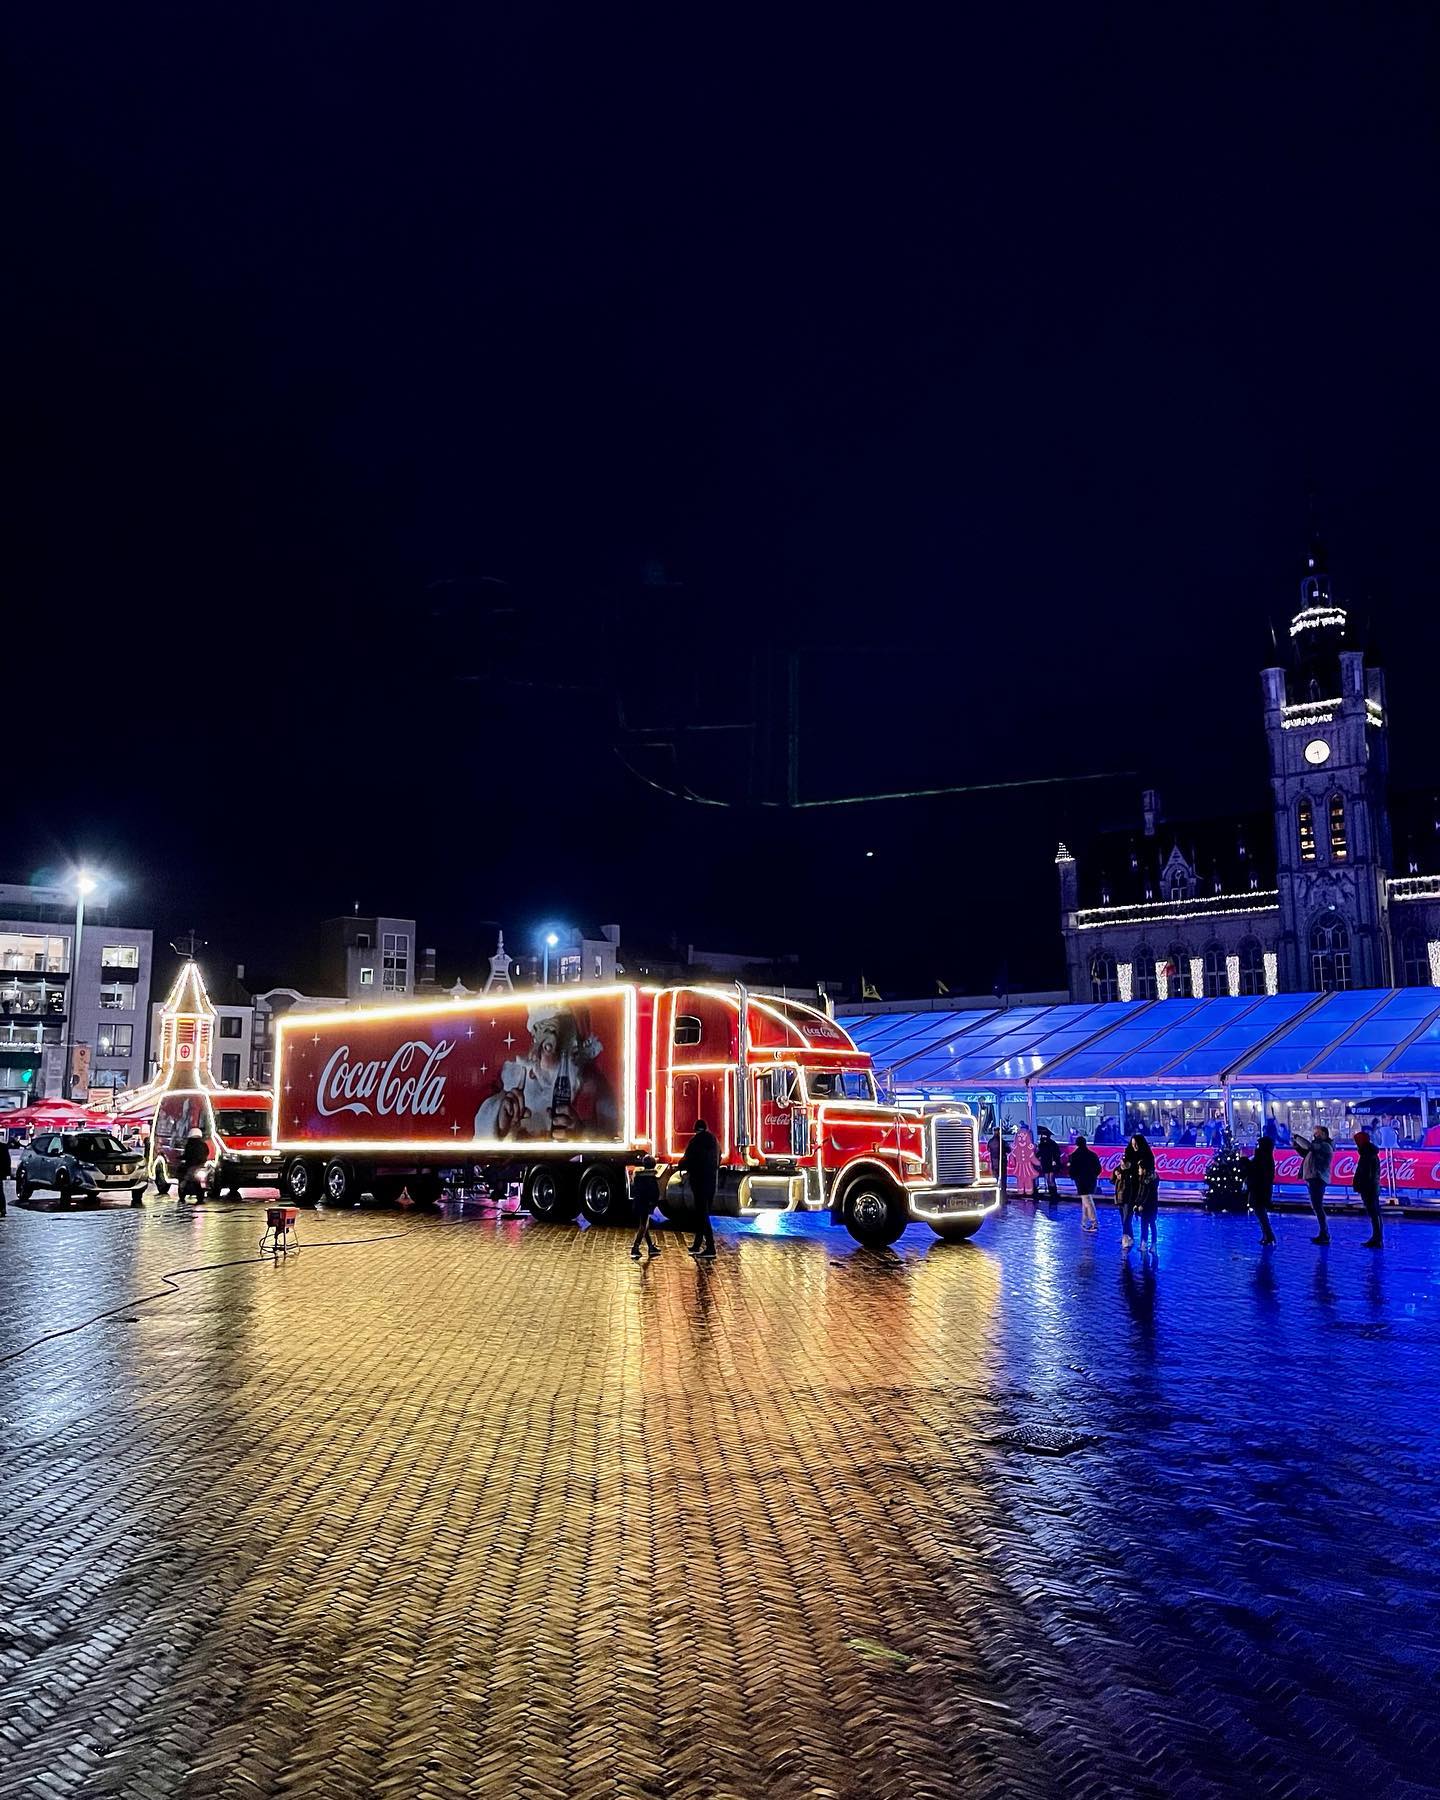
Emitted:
<point x="1226" y="1189"/>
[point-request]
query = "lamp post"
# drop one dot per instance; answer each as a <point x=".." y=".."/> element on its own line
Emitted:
<point x="551" y="940"/>
<point x="85" y="883"/>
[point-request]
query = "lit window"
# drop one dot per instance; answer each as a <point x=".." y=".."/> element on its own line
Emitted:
<point x="1142" y="982"/>
<point x="367" y="978"/>
<point x="1104" y="980"/>
<point x="120" y="956"/>
<point x="116" y="996"/>
<point x="1305" y="814"/>
<point x="569" y="968"/>
<point x="1338" y="847"/>
<point x="1213" y="975"/>
<point x="115" y="1040"/>
<point x="1179" y="985"/>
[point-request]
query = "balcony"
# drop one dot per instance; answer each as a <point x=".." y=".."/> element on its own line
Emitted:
<point x="28" y="1039"/>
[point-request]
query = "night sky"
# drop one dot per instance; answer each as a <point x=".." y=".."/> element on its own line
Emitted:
<point x="418" y="414"/>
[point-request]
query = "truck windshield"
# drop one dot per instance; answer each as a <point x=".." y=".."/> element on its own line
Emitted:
<point x="841" y="1084"/>
<point x="243" y="1121"/>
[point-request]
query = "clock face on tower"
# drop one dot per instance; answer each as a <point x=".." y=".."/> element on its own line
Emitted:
<point x="1317" y="751"/>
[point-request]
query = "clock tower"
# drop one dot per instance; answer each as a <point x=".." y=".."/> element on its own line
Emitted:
<point x="1327" y="731"/>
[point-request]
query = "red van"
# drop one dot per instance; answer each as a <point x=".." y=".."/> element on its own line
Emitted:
<point x="236" y="1127"/>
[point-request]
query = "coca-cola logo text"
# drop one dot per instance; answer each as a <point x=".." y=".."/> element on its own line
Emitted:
<point x="406" y="1083"/>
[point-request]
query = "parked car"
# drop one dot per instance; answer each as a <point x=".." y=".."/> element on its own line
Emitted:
<point x="76" y="1163"/>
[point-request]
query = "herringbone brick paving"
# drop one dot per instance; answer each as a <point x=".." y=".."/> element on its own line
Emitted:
<point x="485" y="1510"/>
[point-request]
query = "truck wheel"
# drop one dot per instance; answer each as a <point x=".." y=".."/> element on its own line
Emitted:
<point x="300" y="1183"/>
<point x="874" y="1213"/>
<point x="956" y="1231"/>
<point x="340" y="1185"/>
<point x="603" y="1196"/>
<point x="550" y="1193"/>
<point x="388" y="1189"/>
<point x="162" y="1179"/>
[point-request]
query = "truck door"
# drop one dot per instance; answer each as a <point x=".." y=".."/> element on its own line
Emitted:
<point x="780" y="1112"/>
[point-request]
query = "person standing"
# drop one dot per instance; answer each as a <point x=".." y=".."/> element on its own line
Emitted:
<point x="1149" y="1208"/>
<point x="193" y="1158"/>
<point x="1085" y="1173"/>
<point x="1136" y="1167"/>
<point x="701" y="1166"/>
<point x="1047" y="1155"/>
<point x="644" y="1197"/>
<point x="1260" y="1179"/>
<point x="1023" y="1164"/>
<point x="5" y="1170"/>
<point x="999" y="1158"/>
<point x="1387" y="1141"/>
<point x="1318" y="1152"/>
<point x="1367" y="1186"/>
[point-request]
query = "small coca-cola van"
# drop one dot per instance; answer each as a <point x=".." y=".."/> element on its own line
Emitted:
<point x="236" y="1127"/>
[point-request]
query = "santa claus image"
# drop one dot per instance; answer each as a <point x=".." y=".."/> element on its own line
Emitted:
<point x="555" y="1089"/>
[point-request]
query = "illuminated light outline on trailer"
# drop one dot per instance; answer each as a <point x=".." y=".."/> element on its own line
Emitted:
<point x="448" y="1009"/>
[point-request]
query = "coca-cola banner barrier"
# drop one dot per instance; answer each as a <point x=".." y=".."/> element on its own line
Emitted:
<point x="488" y="1075"/>
<point x="1399" y="1169"/>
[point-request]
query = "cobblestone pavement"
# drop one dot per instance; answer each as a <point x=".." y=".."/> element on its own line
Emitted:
<point x="469" y="1508"/>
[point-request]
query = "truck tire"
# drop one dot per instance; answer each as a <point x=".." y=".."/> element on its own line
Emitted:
<point x="339" y="1185"/>
<point x="387" y="1189"/>
<point x="302" y="1185"/>
<point x="604" y="1197"/>
<point x="550" y="1192"/>
<point x="956" y="1231"/>
<point x="874" y="1212"/>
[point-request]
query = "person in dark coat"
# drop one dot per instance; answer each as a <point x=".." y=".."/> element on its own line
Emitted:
<point x="193" y="1158"/>
<point x="701" y="1166"/>
<point x="5" y="1168"/>
<point x="1085" y="1173"/>
<point x="1135" y="1168"/>
<point x="1047" y="1154"/>
<point x="1315" y="1171"/>
<point x="1260" y="1179"/>
<point x="644" y="1197"/>
<point x="999" y="1158"/>
<point x="1367" y="1186"/>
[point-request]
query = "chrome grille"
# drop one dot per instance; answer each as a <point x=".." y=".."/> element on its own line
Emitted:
<point x="956" y="1164"/>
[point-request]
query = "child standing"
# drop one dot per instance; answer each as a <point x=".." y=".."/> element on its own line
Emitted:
<point x="644" y="1197"/>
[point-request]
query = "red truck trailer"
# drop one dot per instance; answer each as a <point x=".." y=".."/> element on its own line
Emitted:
<point x="566" y="1088"/>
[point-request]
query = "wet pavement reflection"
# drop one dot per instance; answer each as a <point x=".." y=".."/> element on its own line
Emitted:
<point x="462" y="1506"/>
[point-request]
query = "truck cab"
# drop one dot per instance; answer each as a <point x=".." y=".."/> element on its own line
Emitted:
<point x="800" y="1123"/>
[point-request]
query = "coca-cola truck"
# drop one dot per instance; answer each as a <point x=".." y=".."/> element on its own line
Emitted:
<point x="564" y="1089"/>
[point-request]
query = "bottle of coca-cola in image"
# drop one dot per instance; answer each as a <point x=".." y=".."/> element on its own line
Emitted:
<point x="559" y="1100"/>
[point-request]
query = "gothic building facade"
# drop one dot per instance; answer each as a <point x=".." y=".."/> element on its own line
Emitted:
<point x="1306" y="896"/>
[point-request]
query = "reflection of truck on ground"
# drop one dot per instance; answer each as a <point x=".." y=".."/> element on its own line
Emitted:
<point x="564" y="1089"/>
<point x="236" y="1129"/>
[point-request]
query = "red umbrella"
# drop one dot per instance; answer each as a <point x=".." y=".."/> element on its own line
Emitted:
<point x="51" y="1112"/>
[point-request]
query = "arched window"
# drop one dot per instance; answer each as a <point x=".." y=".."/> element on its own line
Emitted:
<point x="1305" y="819"/>
<point x="1252" y="966"/>
<point x="1180" y="986"/>
<point x="1104" y="979"/>
<point x="1213" y="975"/>
<point x="1329" y="953"/>
<point x="1142" y="979"/>
<point x="1414" y="960"/>
<point x="1339" y="849"/>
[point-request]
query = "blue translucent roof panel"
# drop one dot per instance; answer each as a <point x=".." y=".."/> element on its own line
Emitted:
<point x="1242" y="1025"/>
<point x="1306" y="1041"/>
<point x="1419" y="1061"/>
<point x="1377" y="1037"/>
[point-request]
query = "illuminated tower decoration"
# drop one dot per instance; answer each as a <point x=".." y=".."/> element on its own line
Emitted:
<point x="499" y="976"/>
<point x="187" y="1034"/>
<point x="1328" y="732"/>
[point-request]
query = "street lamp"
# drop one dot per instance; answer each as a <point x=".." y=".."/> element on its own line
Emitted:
<point x="85" y="883"/>
<point x="551" y="940"/>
